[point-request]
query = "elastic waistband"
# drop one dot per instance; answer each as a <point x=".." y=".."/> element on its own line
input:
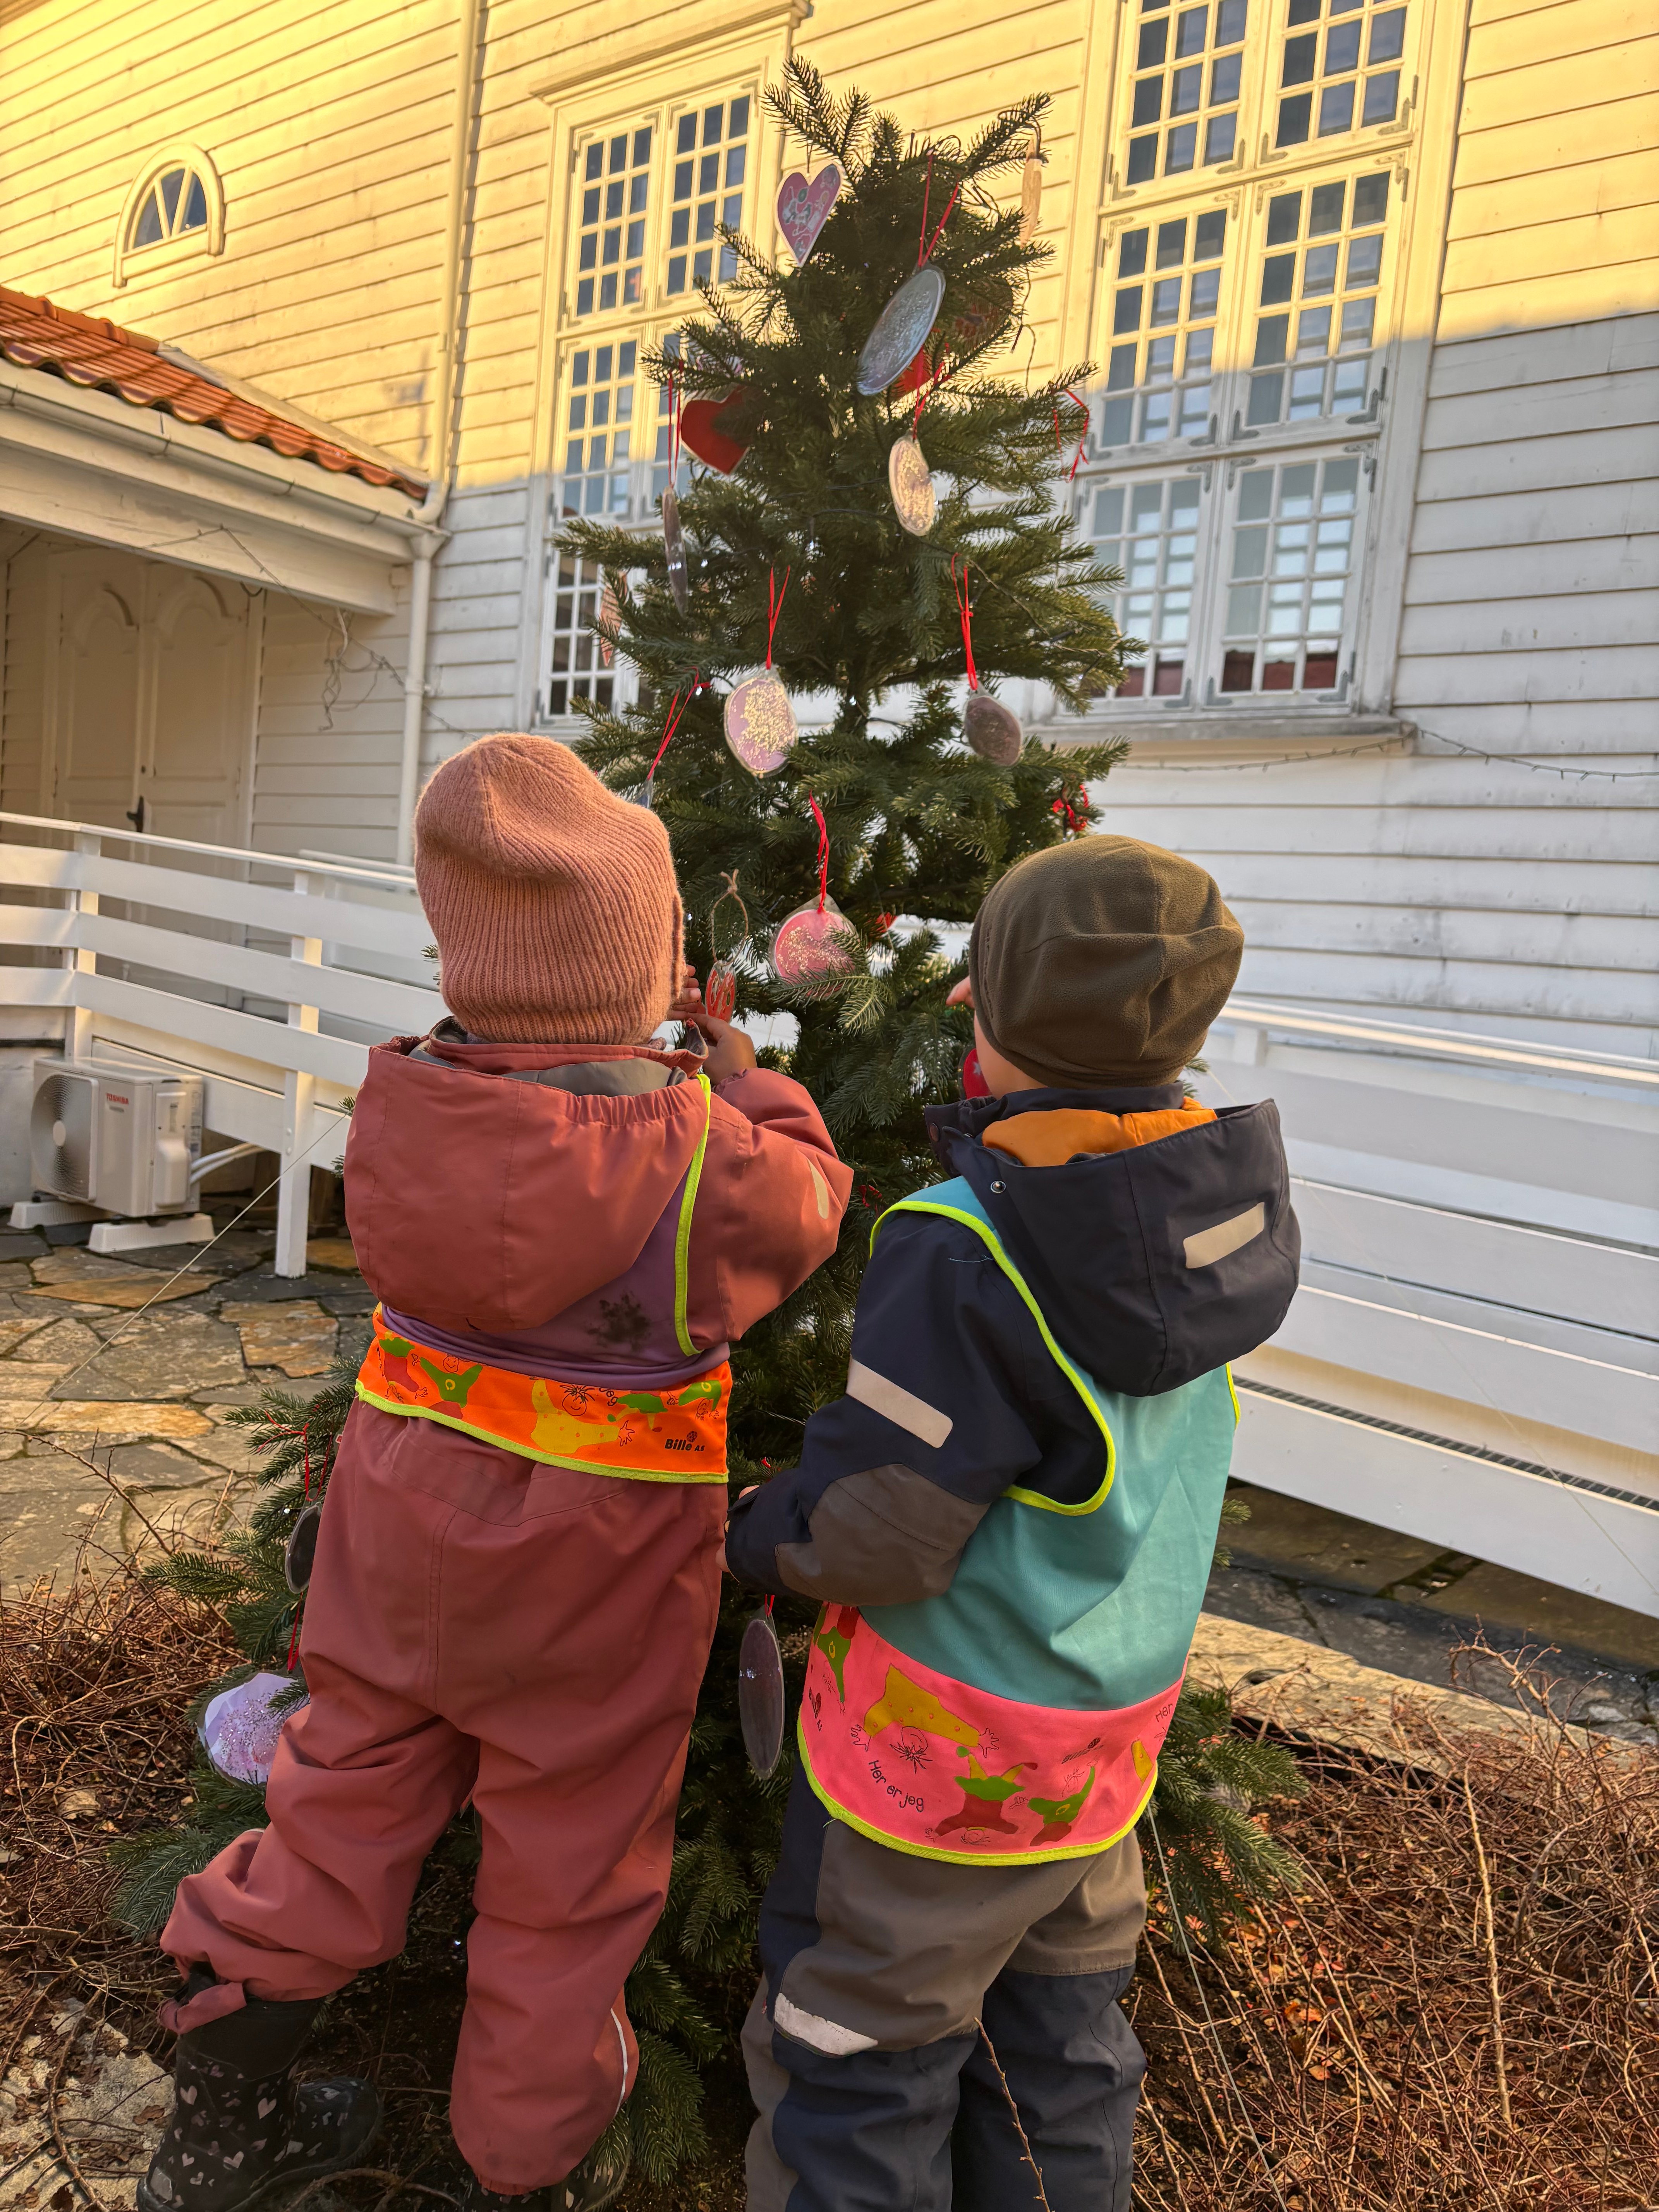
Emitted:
<point x="643" y="1436"/>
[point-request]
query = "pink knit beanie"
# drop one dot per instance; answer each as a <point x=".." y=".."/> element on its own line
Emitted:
<point x="553" y="901"/>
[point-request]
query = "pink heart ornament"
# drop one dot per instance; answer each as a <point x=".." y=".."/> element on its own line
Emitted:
<point x="804" y="207"/>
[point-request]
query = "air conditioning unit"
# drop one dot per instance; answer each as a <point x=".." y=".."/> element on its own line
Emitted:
<point x="124" y="1140"/>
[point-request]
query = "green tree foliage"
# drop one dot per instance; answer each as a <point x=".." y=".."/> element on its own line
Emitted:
<point x="869" y="641"/>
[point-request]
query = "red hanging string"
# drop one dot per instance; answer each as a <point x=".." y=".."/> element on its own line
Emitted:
<point x="927" y="187"/>
<point x="939" y="226"/>
<point x="294" y="1634"/>
<point x="824" y="852"/>
<point x="774" y="605"/>
<point x="925" y="391"/>
<point x="677" y="707"/>
<point x="960" y="583"/>
<point x="1077" y="457"/>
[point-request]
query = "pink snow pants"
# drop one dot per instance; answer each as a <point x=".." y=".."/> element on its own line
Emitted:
<point x="480" y="1625"/>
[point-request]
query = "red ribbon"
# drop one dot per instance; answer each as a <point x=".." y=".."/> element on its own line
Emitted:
<point x="773" y="606"/>
<point x="677" y="707"/>
<point x="925" y="391"/>
<point x="925" y="247"/>
<point x="824" y="852"/>
<point x="960" y="586"/>
<point x="1077" y="457"/>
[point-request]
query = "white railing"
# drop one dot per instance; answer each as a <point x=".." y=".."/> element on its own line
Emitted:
<point x="1473" y="1355"/>
<point x="268" y="976"/>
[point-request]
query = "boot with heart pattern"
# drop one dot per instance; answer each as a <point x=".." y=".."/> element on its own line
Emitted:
<point x="241" y="2127"/>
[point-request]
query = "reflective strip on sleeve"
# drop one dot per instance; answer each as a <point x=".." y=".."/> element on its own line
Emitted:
<point x="900" y="1407"/>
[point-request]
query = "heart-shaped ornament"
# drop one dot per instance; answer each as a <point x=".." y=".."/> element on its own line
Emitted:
<point x="813" y="941"/>
<point x="703" y="432"/>
<point x="760" y="723"/>
<point x="803" y="209"/>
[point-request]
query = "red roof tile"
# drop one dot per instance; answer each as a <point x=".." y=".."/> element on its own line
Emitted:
<point x="89" y="350"/>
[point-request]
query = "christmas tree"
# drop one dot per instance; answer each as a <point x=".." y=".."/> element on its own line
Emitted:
<point x="798" y="558"/>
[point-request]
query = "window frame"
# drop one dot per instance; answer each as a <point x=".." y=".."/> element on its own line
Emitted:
<point x="132" y="260"/>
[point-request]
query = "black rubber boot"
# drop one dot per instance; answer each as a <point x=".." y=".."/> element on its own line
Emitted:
<point x="596" y="2184"/>
<point x="242" y="2129"/>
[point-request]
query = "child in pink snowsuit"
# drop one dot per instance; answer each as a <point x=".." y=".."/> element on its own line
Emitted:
<point x="517" y="1574"/>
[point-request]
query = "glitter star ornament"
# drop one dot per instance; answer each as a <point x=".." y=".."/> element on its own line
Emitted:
<point x="910" y="481"/>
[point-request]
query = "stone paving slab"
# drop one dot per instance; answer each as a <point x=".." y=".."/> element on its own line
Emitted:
<point x="107" y="1416"/>
<point x="162" y="1356"/>
<point x="111" y="2104"/>
<point x="297" y="1336"/>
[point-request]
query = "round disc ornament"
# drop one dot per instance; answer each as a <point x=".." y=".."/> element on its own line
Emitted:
<point x="902" y="329"/>
<point x="760" y="723"/>
<point x="300" y="1553"/>
<point x="673" y="539"/>
<point x="760" y="1693"/>
<point x="812" y="942"/>
<point x="240" y="1728"/>
<point x="910" y="481"/>
<point x="992" y="729"/>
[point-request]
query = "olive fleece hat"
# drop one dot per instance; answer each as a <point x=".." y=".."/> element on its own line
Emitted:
<point x="1101" y="963"/>
<point x="554" y="902"/>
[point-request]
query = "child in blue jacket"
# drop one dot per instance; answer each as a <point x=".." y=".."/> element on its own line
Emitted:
<point x="1009" y="1520"/>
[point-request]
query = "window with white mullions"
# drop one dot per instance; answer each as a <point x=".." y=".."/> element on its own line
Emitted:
<point x="596" y="477"/>
<point x="1150" y="531"/>
<point x="575" y="662"/>
<point x="711" y="160"/>
<point x="1348" y="59"/>
<point x="615" y="189"/>
<point x="1291" y="576"/>
<point x="1163" y="308"/>
<point x="1317" y="321"/>
<point x="1184" y="105"/>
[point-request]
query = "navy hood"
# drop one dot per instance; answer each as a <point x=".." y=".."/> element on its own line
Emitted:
<point x="1151" y="1265"/>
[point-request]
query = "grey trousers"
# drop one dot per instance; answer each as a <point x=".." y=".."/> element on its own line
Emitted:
<point x="890" y="1982"/>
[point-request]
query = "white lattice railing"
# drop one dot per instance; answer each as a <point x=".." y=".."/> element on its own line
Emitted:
<point x="270" y="977"/>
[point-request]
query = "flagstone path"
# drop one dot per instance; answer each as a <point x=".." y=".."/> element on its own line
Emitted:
<point x="117" y="1379"/>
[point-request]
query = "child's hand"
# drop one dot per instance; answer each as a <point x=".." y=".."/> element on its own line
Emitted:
<point x="730" y="1050"/>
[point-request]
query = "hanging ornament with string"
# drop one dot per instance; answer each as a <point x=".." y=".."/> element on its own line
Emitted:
<point x="909" y="479"/>
<point x="814" y="940"/>
<point x="904" y="324"/>
<point x="760" y="1691"/>
<point x="673" y="537"/>
<point x="1030" y="188"/>
<point x="610" y="615"/>
<point x="992" y="729"/>
<point x="804" y="207"/>
<point x="720" y="993"/>
<point x="677" y="707"/>
<point x="760" y="723"/>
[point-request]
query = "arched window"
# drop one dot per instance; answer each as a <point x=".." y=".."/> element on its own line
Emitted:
<point x="176" y="207"/>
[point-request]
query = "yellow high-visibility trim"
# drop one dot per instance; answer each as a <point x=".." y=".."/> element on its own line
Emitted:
<point x="917" y="1205"/>
<point x="1089" y="1850"/>
<point x="682" y="1234"/>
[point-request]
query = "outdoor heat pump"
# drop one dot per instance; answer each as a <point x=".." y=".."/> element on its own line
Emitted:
<point x="109" y="1140"/>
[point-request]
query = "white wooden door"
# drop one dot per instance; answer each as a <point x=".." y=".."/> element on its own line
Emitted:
<point x="195" y="735"/>
<point x="154" y="698"/>
<point x="100" y="600"/>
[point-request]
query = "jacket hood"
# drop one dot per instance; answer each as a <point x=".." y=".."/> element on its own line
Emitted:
<point x="1153" y="1262"/>
<point x="481" y="1202"/>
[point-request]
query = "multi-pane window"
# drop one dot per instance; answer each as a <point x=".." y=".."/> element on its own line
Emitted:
<point x="1317" y="316"/>
<point x="615" y="187"/>
<point x="1184" y="113"/>
<point x="1342" y="72"/>
<point x="576" y="666"/>
<point x="174" y="205"/>
<point x="1162" y="344"/>
<point x="1150" y="530"/>
<point x="1288" y="575"/>
<point x="711" y="155"/>
<point x="599" y="419"/>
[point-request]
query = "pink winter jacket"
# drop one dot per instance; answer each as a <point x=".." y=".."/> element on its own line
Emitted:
<point x="535" y="1227"/>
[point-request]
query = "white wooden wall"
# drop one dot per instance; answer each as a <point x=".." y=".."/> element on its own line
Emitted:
<point x="1488" y="891"/>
